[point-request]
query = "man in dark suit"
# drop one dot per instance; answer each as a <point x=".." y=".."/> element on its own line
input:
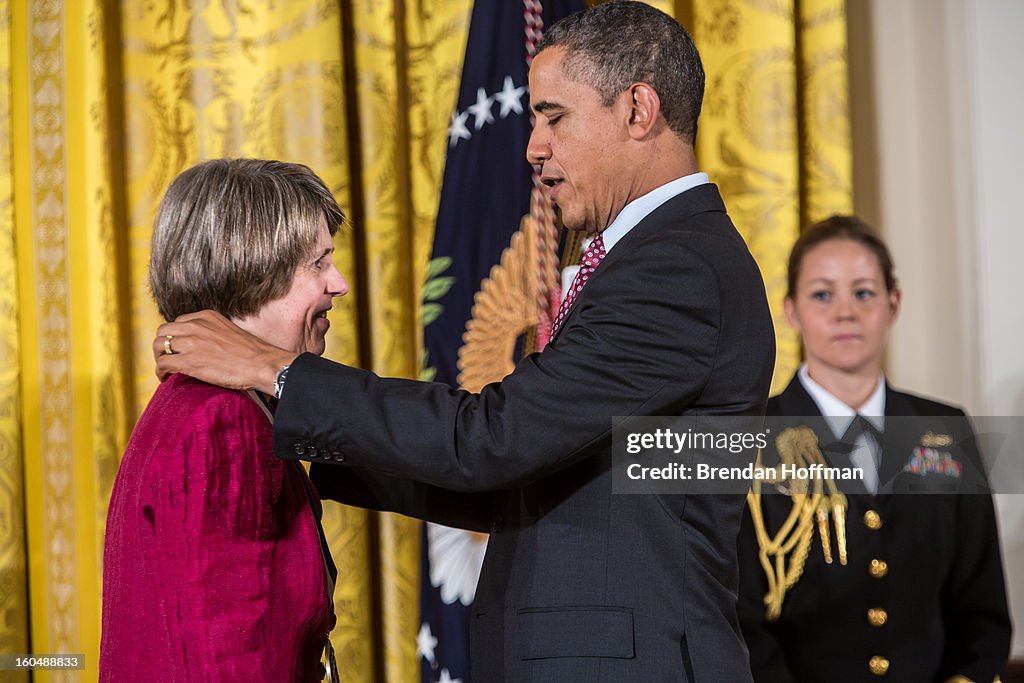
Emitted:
<point x="922" y="596"/>
<point x="668" y="317"/>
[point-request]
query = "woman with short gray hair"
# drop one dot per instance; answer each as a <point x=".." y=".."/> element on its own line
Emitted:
<point x="215" y="566"/>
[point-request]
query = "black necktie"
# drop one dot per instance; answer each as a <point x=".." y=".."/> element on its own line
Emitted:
<point x="860" y="425"/>
<point x="848" y="445"/>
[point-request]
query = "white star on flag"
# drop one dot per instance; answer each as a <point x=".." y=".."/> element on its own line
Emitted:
<point x="425" y="643"/>
<point x="447" y="677"/>
<point x="457" y="130"/>
<point x="481" y="111"/>
<point x="510" y="98"/>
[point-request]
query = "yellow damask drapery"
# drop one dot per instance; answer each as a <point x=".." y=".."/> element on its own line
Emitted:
<point x="101" y="104"/>
<point x="775" y="131"/>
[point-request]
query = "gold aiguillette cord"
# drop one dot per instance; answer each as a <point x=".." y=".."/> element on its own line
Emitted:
<point x="797" y="446"/>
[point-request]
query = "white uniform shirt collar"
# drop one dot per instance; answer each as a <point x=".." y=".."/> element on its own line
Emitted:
<point x="641" y="207"/>
<point x="837" y="414"/>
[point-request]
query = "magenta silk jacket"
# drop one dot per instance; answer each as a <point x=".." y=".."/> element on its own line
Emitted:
<point x="212" y="569"/>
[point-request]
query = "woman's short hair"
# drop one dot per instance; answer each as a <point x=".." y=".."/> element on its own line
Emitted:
<point x="835" y="228"/>
<point x="230" y="234"/>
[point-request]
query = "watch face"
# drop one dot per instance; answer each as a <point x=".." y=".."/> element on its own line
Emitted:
<point x="279" y="382"/>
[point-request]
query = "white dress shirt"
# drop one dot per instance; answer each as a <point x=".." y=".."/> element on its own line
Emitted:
<point x="641" y="207"/>
<point x="634" y="212"/>
<point x="866" y="452"/>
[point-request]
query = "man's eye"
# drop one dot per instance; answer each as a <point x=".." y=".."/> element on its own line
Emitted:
<point x="554" y="120"/>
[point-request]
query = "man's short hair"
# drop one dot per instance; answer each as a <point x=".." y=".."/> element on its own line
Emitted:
<point x="615" y="44"/>
<point x="230" y="234"/>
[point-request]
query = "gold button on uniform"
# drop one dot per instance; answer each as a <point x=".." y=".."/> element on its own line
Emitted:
<point x="872" y="520"/>
<point x="877" y="616"/>
<point x="878" y="568"/>
<point x="879" y="665"/>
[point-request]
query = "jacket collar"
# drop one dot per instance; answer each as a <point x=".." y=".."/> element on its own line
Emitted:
<point x="701" y="199"/>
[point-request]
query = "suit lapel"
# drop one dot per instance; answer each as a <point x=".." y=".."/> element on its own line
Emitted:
<point x="795" y="400"/>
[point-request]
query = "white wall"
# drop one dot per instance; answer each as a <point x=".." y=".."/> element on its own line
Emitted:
<point x="996" y="85"/>
<point x="937" y="100"/>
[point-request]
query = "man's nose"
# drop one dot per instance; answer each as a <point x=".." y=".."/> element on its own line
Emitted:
<point x="537" y="149"/>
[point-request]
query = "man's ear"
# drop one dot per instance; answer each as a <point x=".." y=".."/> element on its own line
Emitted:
<point x="645" y="108"/>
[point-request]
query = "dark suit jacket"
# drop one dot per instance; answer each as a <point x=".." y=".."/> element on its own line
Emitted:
<point x="942" y="589"/>
<point x="578" y="584"/>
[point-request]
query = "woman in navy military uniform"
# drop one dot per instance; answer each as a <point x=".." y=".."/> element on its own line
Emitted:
<point x="898" y="587"/>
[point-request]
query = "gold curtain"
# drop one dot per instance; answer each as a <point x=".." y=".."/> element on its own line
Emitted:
<point x="68" y="334"/>
<point x="775" y="131"/>
<point x="101" y="104"/>
<point x="407" y="59"/>
<point x="13" y="585"/>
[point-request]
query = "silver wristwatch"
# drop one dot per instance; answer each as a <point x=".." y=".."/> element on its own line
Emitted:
<point x="279" y="382"/>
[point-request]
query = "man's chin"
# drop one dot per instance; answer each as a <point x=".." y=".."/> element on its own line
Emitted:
<point x="576" y="225"/>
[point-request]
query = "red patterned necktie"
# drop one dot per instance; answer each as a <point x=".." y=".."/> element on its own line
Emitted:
<point x="588" y="264"/>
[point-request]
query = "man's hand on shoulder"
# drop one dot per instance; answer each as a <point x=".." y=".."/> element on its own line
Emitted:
<point x="208" y="346"/>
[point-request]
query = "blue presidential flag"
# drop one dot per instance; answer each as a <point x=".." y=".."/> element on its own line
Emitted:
<point x="491" y="280"/>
